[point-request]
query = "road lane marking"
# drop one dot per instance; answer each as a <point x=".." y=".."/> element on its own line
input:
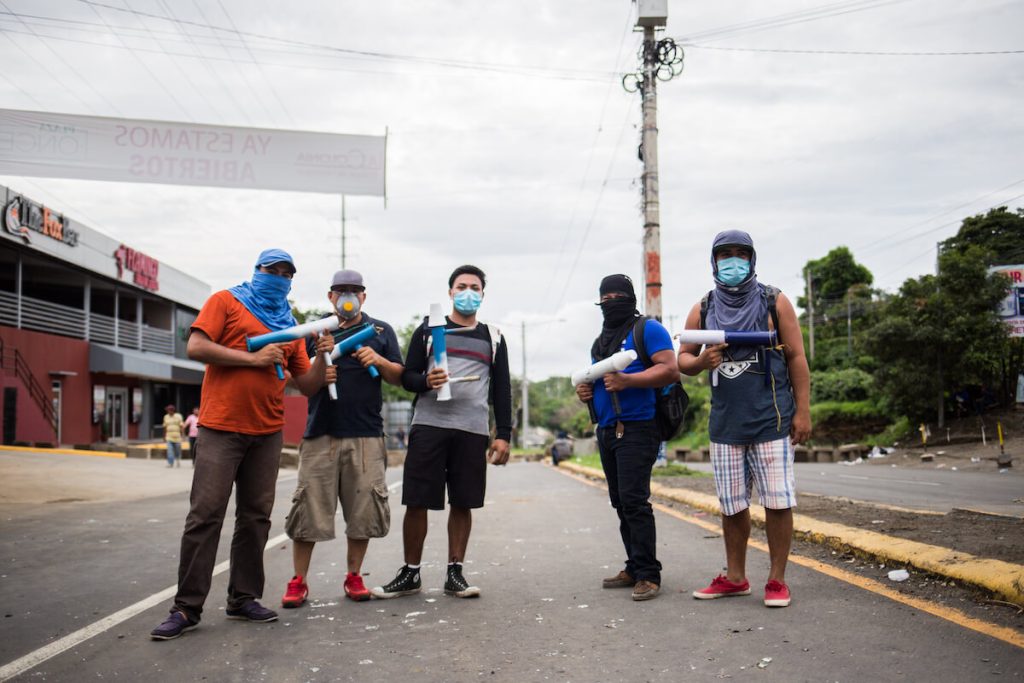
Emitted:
<point x="881" y="479"/>
<point x="37" y="657"/>
<point x="1007" y="635"/>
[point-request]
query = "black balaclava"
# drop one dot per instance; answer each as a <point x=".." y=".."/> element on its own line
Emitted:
<point x="619" y="314"/>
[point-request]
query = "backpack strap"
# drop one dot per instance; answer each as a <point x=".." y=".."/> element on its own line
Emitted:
<point x="771" y="294"/>
<point x="639" y="343"/>
<point x="495" y="333"/>
<point x="704" y="309"/>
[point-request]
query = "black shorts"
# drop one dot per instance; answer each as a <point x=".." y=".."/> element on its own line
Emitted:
<point x="437" y="456"/>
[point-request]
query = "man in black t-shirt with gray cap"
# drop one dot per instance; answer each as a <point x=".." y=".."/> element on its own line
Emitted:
<point x="343" y="456"/>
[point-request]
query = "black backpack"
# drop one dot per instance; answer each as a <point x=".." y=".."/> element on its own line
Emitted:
<point x="670" y="402"/>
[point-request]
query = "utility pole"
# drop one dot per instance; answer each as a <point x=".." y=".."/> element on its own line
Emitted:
<point x="660" y="60"/>
<point x="849" y="327"/>
<point x="526" y="392"/>
<point x="810" y="312"/>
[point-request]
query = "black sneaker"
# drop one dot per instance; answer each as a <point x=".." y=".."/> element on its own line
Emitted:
<point x="456" y="585"/>
<point x="406" y="582"/>
<point x="252" y="611"/>
<point x="175" y="624"/>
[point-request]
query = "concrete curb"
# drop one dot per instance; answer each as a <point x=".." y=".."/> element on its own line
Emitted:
<point x="1003" y="579"/>
<point x="63" y="451"/>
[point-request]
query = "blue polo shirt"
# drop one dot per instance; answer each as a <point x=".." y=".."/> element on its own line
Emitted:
<point x="634" y="404"/>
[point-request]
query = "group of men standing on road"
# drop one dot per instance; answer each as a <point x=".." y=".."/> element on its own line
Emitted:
<point x="343" y="457"/>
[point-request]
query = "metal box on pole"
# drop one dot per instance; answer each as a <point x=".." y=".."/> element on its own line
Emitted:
<point x="653" y="13"/>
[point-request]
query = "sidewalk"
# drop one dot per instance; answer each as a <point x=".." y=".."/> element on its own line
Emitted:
<point x="1003" y="579"/>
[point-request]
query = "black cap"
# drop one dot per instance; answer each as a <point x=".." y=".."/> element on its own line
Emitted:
<point x="617" y="283"/>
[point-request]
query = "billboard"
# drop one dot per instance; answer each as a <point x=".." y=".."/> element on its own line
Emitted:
<point x="1011" y="309"/>
<point x="39" y="144"/>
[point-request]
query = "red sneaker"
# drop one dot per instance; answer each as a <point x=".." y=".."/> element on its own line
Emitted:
<point x="296" y="593"/>
<point x="776" y="594"/>
<point x="355" y="589"/>
<point x="722" y="587"/>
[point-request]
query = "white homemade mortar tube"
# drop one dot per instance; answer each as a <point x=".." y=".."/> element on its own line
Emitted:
<point x="617" y="362"/>
<point x="708" y="337"/>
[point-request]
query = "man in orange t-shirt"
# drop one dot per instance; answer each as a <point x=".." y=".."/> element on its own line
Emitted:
<point x="242" y="415"/>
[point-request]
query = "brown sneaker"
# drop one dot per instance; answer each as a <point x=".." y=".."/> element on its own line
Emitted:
<point x="620" y="580"/>
<point x="645" y="590"/>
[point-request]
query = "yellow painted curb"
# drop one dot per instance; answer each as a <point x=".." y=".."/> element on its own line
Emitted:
<point x="67" y="451"/>
<point x="1004" y="579"/>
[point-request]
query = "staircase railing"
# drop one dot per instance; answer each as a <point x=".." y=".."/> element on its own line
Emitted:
<point x="39" y="395"/>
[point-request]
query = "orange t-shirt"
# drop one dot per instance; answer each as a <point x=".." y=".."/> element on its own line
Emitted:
<point x="241" y="399"/>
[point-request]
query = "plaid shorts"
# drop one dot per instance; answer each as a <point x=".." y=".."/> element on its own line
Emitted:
<point x="737" y="468"/>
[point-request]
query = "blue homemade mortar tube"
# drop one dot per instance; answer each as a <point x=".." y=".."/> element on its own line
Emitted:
<point x="289" y="334"/>
<point x="354" y="342"/>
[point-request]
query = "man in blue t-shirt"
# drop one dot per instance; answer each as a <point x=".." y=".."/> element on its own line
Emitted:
<point x="627" y="435"/>
<point x="343" y="456"/>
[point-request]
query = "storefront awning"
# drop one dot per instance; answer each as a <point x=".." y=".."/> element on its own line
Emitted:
<point x="118" y="361"/>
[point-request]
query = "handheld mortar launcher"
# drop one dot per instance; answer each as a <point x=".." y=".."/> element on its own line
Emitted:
<point x="289" y="334"/>
<point x="709" y="337"/>
<point x="617" y="362"/>
<point x="436" y="322"/>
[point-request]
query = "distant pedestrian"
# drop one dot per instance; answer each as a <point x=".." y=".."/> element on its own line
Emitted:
<point x="627" y="435"/>
<point x="400" y="437"/>
<point x="760" y="407"/>
<point x="242" y="414"/>
<point x="192" y="430"/>
<point x="172" y="435"/>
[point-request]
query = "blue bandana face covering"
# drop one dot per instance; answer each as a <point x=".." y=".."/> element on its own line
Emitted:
<point x="266" y="297"/>
<point x="271" y="286"/>
<point x="733" y="270"/>
<point x="467" y="302"/>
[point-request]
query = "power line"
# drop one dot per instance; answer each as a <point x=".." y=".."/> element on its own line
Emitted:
<point x="889" y="235"/>
<point x="185" y="75"/>
<point x="593" y="151"/>
<point x="270" y="84"/>
<point x="873" y="53"/>
<point x="788" y="19"/>
<point x="156" y="78"/>
<point x="454" y="63"/>
<point x="202" y="59"/>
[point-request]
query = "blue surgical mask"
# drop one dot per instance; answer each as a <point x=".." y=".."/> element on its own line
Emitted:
<point x="271" y="286"/>
<point x="467" y="302"/>
<point x="733" y="270"/>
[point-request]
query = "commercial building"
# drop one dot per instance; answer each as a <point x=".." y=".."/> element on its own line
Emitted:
<point x="92" y="332"/>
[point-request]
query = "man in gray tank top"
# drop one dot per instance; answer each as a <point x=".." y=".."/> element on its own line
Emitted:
<point x="760" y="406"/>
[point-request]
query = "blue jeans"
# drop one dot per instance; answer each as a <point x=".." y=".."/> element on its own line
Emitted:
<point x="627" y="464"/>
<point x="173" y="452"/>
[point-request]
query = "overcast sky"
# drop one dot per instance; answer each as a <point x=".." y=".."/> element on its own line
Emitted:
<point x="513" y="146"/>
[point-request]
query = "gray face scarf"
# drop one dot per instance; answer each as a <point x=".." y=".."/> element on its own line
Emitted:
<point x="743" y="307"/>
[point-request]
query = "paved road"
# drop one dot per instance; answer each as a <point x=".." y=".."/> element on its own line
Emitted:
<point x="539" y="550"/>
<point x="924" y="489"/>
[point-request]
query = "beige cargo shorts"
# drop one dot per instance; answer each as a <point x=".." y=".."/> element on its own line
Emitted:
<point x="350" y="470"/>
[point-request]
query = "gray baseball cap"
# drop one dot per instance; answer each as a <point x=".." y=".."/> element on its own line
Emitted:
<point x="347" y="278"/>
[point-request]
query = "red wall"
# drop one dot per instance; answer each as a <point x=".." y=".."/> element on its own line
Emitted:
<point x="43" y="353"/>
<point x="295" y="409"/>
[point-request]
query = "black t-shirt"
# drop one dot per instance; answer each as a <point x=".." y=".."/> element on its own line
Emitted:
<point x="357" y="412"/>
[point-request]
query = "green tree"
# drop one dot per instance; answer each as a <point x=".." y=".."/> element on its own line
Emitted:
<point x="999" y="233"/>
<point x="939" y="333"/>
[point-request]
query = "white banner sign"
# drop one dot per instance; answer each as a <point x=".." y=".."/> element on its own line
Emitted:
<point x="140" y="151"/>
<point x="1011" y="309"/>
